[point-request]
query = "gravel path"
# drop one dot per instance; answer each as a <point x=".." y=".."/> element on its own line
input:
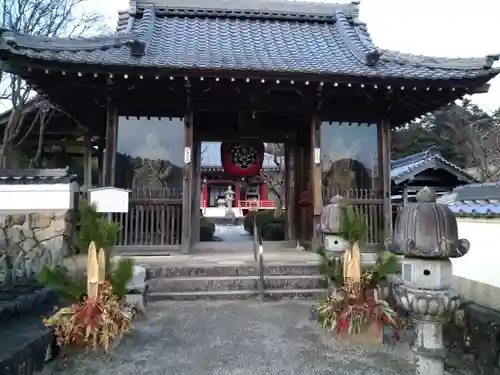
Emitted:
<point x="236" y="338"/>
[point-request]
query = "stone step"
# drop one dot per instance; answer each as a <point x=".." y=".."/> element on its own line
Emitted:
<point x="237" y="294"/>
<point x="229" y="270"/>
<point x="190" y="283"/>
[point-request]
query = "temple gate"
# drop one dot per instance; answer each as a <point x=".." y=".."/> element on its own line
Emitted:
<point x="303" y="74"/>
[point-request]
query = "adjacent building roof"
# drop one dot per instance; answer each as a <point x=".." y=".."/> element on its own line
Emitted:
<point x="245" y="35"/>
<point x="210" y="157"/>
<point x="477" y="200"/>
<point x="406" y="168"/>
<point x="36" y="176"/>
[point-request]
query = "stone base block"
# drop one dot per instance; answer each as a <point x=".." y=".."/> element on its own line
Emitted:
<point x="137" y="301"/>
<point x="138" y="282"/>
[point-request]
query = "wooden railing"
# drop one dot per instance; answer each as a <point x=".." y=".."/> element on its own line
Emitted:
<point x="368" y="203"/>
<point x="154" y="219"/>
<point x="254" y="204"/>
<point x="250" y="204"/>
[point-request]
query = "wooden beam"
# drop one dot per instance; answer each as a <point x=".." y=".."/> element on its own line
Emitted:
<point x="483" y="89"/>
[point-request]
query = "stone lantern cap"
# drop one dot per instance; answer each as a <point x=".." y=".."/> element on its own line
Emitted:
<point x="427" y="229"/>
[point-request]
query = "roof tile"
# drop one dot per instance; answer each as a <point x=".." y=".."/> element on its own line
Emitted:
<point x="264" y="36"/>
<point x="406" y="168"/>
<point x="476" y="200"/>
<point x="35" y="176"/>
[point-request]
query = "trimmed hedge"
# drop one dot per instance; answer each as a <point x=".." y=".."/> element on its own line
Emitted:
<point x="207" y="229"/>
<point x="271" y="228"/>
<point x="248" y="221"/>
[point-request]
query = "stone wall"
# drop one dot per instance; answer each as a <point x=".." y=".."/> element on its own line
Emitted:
<point x="481" y="293"/>
<point x="36" y="238"/>
<point x="473" y="338"/>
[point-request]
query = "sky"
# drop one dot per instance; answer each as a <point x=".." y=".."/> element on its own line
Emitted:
<point x="445" y="28"/>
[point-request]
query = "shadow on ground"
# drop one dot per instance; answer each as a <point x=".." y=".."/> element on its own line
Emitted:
<point x="236" y="338"/>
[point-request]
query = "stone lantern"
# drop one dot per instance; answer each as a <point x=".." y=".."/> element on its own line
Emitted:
<point x="330" y="227"/>
<point x="426" y="235"/>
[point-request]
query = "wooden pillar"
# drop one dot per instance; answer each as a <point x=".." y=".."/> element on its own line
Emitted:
<point x="237" y="193"/>
<point x="291" y="196"/>
<point x="187" y="183"/>
<point x="317" y="195"/>
<point x="204" y="193"/>
<point x="303" y="179"/>
<point x="110" y="152"/>
<point x="263" y="191"/>
<point x="405" y="195"/>
<point x="101" y="161"/>
<point x="87" y="164"/>
<point x="385" y="172"/>
<point x="196" y="190"/>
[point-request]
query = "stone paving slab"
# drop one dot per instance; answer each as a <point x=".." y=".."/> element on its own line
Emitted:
<point x="236" y="338"/>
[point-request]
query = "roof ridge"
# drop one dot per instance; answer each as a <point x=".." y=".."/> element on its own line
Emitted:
<point x="36" y="43"/>
<point x="269" y="6"/>
<point x="262" y="9"/>
<point x="453" y="63"/>
<point x="422" y="155"/>
<point x="361" y="46"/>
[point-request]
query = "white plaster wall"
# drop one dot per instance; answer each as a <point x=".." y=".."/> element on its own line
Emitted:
<point x="482" y="262"/>
<point x="37" y="197"/>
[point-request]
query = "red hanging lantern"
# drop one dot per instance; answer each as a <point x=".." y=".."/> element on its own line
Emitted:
<point x="242" y="158"/>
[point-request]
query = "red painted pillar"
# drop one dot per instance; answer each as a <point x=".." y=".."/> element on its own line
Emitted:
<point x="264" y="191"/>
<point x="204" y="194"/>
<point x="237" y="194"/>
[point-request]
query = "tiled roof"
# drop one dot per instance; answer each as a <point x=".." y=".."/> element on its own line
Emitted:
<point x="477" y="200"/>
<point x="36" y="176"/>
<point x="210" y="157"/>
<point x="406" y="168"/>
<point x="245" y="35"/>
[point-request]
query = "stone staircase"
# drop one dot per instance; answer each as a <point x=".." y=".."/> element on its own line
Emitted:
<point x="241" y="281"/>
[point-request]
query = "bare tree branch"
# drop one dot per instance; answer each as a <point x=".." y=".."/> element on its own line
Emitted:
<point x="47" y="18"/>
<point x="276" y="179"/>
<point x="475" y="134"/>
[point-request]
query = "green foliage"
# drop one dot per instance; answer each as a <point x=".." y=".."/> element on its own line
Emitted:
<point x="330" y="267"/>
<point x="73" y="288"/>
<point x="120" y="275"/>
<point x="353" y="227"/>
<point x="332" y="270"/>
<point x="387" y="264"/>
<point x="274" y="231"/>
<point x="457" y="131"/>
<point x="69" y="288"/>
<point x="92" y="226"/>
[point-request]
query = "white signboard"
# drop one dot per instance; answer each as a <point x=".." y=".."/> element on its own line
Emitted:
<point x="317" y="156"/>
<point x="187" y="155"/>
<point x="110" y="199"/>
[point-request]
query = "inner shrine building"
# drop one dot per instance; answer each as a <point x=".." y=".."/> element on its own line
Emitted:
<point x="306" y="75"/>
